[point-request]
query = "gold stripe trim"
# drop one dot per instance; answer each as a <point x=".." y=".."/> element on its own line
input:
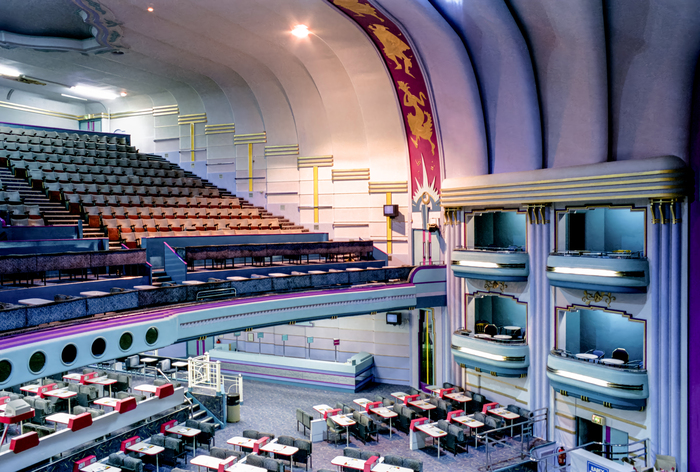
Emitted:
<point x="193" y="115"/>
<point x="564" y="415"/>
<point x="349" y="174"/>
<point x="260" y="135"/>
<point x="570" y="198"/>
<point x="622" y="190"/>
<point x="218" y="132"/>
<point x="384" y="187"/>
<point x="504" y="394"/>
<point x="454" y="193"/>
<point x="40" y="111"/>
<point x="607" y="415"/>
<point x="314" y="161"/>
<point x="564" y="429"/>
<point x="575" y="179"/>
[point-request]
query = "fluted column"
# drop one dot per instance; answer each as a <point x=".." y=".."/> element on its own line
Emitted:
<point x="539" y="316"/>
<point x="664" y="363"/>
<point x="453" y="234"/>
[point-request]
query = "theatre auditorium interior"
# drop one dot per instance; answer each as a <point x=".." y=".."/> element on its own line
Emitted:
<point x="349" y="235"/>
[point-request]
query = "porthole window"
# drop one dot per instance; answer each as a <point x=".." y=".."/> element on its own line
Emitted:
<point x="151" y="336"/>
<point x="99" y="346"/>
<point x="125" y="341"/>
<point x="5" y="370"/>
<point x="37" y="361"/>
<point x="69" y="353"/>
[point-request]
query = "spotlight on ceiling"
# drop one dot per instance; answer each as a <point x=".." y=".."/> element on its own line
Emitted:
<point x="93" y="92"/>
<point x="150" y="9"/>
<point x="9" y="71"/>
<point x="300" y="31"/>
<point x="123" y="94"/>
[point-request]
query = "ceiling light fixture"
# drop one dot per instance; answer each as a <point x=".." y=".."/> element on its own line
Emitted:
<point x="9" y="71"/>
<point x="123" y="94"/>
<point x="71" y="96"/>
<point x="93" y="92"/>
<point x="150" y="9"/>
<point x="301" y="31"/>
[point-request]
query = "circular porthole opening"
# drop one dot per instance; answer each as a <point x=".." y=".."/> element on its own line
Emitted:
<point x="98" y="347"/>
<point x="151" y="336"/>
<point x="5" y="370"/>
<point x="37" y="362"/>
<point x="69" y="353"/>
<point x="125" y="341"/>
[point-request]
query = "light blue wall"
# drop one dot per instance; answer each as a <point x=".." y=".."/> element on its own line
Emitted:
<point x="610" y="229"/>
<point x="596" y="329"/>
<point x="501" y="311"/>
<point x="501" y="229"/>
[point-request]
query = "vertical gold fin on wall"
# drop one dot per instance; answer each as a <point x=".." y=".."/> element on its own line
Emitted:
<point x="192" y="141"/>
<point x="388" y="226"/>
<point x="315" y="194"/>
<point x="250" y="167"/>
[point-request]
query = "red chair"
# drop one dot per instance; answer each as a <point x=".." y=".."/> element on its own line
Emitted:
<point x="452" y="413"/>
<point x="45" y="388"/>
<point x="166" y="390"/>
<point x="129" y="442"/>
<point x="80" y="421"/>
<point x="77" y="465"/>
<point x="225" y="465"/>
<point x="167" y="425"/>
<point x="369" y="463"/>
<point x="24" y="442"/>
<point x="416" y="422"/>
<point x="260" y="442"/>
<point x="410" y="398"/>
<point x="127" y="404"/>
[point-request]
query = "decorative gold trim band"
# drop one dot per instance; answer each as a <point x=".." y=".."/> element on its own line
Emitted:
<point x="349" y="174"/>
<point x="314" y="161"/>
<point x="40" y="111"/>
<point x="593" y="381"/>
<point x="564" y="430"/>
<point x="388" y="187"/>
<point x="226" y="128"/>
<point x="250" y="138"/>
<point x="282" y="150"/>
<point x="607" y="415"/>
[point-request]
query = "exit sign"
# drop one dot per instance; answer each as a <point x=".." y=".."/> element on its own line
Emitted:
<point x="598" y="420"/>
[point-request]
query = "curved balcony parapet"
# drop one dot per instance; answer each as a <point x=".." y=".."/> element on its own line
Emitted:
<point x="611" y="272"/>
<point x="610" y="386"/>
<point x="482" y="264"/>
<point x="502" y="359"/>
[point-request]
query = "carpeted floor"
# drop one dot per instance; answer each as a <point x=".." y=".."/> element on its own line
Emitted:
<point x="271" y="408"/>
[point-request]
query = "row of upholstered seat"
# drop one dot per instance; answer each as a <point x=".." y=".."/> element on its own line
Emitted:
<point x="39" y="169"/>
<point x="99" y="201"/>
<point x="71" y="151"/>
<point x="60" y="189"/>
<point x="9" y="130"/>
<point x="65" y="143"/>
<point x="101" y="178"/>
<point x="124" y="212"/>
<point x="131" y="231"/>
<point x="125" y="161"/>
<point x="21" y="209"/>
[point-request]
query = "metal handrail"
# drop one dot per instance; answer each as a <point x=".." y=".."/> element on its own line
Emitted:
<point x="642" y="442"/>
<point x="537" y="416"/>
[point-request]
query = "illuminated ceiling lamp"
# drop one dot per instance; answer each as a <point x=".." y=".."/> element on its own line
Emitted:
<point x="93" y="92"/>
<point x="9" y="71"/>
<point x="301" y="31"/>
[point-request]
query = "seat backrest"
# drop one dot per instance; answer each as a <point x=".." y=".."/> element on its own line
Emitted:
<point x="414" y="464"/>
<point x="285" y="440"/>
<point x="621" y="354"/>
<point x="352" y="452"/>
<point x="250" y="433"/>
